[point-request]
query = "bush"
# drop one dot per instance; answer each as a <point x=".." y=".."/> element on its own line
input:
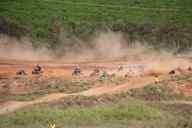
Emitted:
<point x="155" y="92"/>
<point x="11" y="28"/>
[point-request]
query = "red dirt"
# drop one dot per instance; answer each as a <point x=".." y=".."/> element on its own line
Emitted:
<point x="8" y="69"/>
<point x="186" y="88"/>
<point x="12" y="106"/>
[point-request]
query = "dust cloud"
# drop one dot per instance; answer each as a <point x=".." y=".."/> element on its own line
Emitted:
<point x="104" y="46"/>
<point x="12" y="48"/>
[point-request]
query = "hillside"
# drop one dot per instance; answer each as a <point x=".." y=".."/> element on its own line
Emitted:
<point x="95" y="63"/>
<point x="165" y="20"/>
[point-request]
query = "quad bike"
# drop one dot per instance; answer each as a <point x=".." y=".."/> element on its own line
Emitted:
<point x="21" y="73"/>
<point x="120" y="68"/>
<point x="37" y="70"/>
<point x="189" y="69"/>
<point x="172" y="72"/>
<point x="76" y="72"/>
<point x="104" y="76"/>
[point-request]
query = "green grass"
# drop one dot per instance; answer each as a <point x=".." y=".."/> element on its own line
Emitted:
<point x="122" y="114"/>
<point x="101" y="115"/>
<point x="37" y="14"/>
<point x="108" y="111"/>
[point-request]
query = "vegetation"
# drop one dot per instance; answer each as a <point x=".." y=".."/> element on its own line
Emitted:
<point x="155" y="93"/>
<point x="123" y="113"/>
<point x="165" y="21"/>
<point x="162" y="90"/>
<point x="114" y="114"/>
<point x="127" y="109"/>
<point x="41" y="87"/>
<point x="160" y="23"/>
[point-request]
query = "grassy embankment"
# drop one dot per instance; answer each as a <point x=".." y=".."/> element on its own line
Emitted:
<point x="160" y="23"/>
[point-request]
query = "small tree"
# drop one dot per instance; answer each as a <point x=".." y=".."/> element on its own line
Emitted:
<point x="54" y="33"/>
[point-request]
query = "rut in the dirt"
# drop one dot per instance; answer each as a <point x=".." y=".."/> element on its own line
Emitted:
<point x="12" y="106"/>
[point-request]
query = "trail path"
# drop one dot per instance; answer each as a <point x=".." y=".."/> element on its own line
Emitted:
<point x="12" y="106"/>
<point x="65" y="71"/>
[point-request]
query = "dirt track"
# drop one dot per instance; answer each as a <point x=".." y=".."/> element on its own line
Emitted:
<point x="12" y="106"/>
<point x="8" y="68"/>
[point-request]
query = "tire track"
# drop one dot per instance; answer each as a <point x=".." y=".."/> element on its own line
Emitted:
<point x="12" y="106"/>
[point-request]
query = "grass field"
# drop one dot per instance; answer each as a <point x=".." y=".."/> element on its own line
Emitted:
<point x="122" y="114"/>
<point x="111" y="115"/>
<point x="106" y="111"/>
<point x="162" y="23"/>
<point x="152" y="106"/>
<point x="86" y="15"/>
